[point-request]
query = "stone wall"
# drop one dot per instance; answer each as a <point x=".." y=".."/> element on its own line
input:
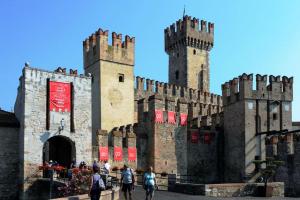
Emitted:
<point x="248" y="112"/>
<point x="9" y="162"/>
<point x="188" y="49"/>
<point x="275" y="189"/>
<point x="204" y="156"/>
<point x="296" y="125"/>
<point x="33" y="119"/>
<point x="166" y="143"/>
<point x="286" y="149"/>
<point x="113" y="80"/>
<point x="123" y="137"/>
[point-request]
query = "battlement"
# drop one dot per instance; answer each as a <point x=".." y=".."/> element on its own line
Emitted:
<point x="189" y="32"/>
<point x="96" y="47"/>
<point x="278" y="89"/>
<point x="146" y="88"/>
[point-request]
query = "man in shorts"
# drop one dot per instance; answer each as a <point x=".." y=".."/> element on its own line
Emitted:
<point x="127" y="181"/>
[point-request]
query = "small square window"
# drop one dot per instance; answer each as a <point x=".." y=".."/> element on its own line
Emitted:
<point x="121" y="77"/>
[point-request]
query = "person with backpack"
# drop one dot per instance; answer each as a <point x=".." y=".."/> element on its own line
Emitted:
<point x="149" y="183"/>
<point x="97" y="185"/>
<point x="127" y="181"/>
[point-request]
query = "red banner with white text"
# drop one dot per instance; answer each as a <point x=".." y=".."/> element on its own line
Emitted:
<point x="131" y="154"/>
<point x="159" y="117"/>
<point x="118" y="154"/>
<point x="103" y="153"/>
<point x="60" y="96"/>
<point x="171" y="117"/>
<point x="183" y="119"/>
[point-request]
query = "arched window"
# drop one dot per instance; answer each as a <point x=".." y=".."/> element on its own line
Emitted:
<point x="194" y="51"/>
<point x="121" y="77"/>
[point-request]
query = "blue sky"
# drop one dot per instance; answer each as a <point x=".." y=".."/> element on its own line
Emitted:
<point x="250" y="36"/>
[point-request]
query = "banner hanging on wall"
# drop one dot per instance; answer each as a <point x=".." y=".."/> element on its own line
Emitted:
<point x="118" y="154"/>
<point x="103" y="153"/>
<point x="159" y="117"/>
<point x="194" y="137"/>
<point x="132" y="154"/>
<point x="207" y="138"/>
<point x="171" y="117"/>
<point x="183" y="119"/>
<point x="60" y="97"/>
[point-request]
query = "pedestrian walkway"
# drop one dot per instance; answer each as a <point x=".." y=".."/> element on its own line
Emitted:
<point x="139" y="194"/>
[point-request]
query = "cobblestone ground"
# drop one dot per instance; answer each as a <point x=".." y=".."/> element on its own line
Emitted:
<point x="139" y="194"/>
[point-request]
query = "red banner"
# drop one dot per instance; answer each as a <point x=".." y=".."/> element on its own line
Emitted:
<point x="194" y="137"/>
<point x="118" y="154"/>
<point x="60" y="97"/>
<point x="183" y="119"/>
<point x="103" y="153"/>
<point x="171" y="117"/>
<point x="159" y="116"/>
<point x="207" y="138"/>
<point x="131" y="154"/>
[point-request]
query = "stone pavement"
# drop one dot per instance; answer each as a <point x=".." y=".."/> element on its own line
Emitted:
<point x="139" y="194"/>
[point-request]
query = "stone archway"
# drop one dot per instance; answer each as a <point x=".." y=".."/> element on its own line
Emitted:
<point x="60" y="149"/>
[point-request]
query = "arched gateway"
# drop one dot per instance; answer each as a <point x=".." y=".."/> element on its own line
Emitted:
<point x="60" y="149"/>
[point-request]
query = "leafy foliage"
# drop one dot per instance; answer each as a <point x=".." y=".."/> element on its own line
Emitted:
<point x="79" y="183"/>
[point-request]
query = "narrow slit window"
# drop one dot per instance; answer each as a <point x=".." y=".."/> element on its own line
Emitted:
<point x="177" y="75"/>
<point x="121" y="78"/>
<point x="274" y="116"/>
<point x="94" y="50"/>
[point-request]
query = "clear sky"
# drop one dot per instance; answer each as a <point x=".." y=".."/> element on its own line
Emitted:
<point x="253" y="36"/>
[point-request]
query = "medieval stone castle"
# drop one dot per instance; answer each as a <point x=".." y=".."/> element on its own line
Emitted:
<point x="177" y="127"/>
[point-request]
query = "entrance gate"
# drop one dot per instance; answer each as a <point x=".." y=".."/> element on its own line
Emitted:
<point x="60" y="149"/>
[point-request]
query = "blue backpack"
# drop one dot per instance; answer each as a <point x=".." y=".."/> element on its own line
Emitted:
<point x="98" y="182"/>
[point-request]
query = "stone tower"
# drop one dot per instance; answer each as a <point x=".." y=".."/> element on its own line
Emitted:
<point x="248" y="112"/>
<point x="111" y="67"/>
<point x="188" y="49"/>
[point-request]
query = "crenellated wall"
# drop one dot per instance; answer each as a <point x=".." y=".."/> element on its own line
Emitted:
<point x="188" y="49"/>
<point x="287" y="149"/>
<point x="186" y="32"/>
<point x="96" y="47"/>
<point x="248" y="111"/>
<point x="278" y="89"/>
<point x="111" y="66"/>
<point x="39" y="124"/>
<point x="200" y="103"/>
<point x="123" y="137"/>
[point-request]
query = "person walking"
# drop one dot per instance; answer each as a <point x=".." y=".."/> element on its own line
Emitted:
<point x="96" y="185"/>
<point x="107" y="166"/>
<point x="149" y="183"/>
<point x="127" y="181"/>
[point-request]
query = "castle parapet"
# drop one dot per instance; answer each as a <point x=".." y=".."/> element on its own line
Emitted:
<point x="242" y="88"/>
<point x="186" y="32"/>
<point x="96" y="47"/>
<point x="175" y="93"/>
